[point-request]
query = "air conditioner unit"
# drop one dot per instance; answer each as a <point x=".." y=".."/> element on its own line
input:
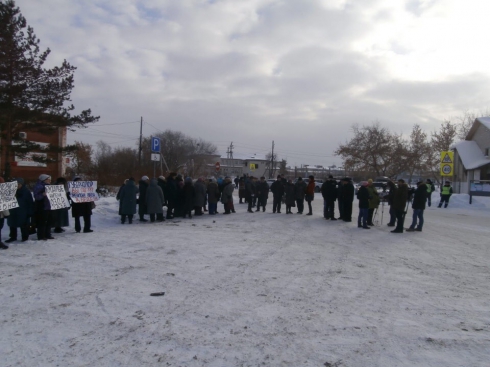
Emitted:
<point x="23" y="135"/>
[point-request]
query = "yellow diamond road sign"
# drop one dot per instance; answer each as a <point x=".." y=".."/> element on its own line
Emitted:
<point x="447" y="163"/>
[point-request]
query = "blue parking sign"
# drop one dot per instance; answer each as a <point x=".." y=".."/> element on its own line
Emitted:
<point x="155" y="144"/>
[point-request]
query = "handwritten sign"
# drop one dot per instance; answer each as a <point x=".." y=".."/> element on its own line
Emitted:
<point x="7" y="196"/>
<point x="83" y="191"/>
<point x="57" y="196"/>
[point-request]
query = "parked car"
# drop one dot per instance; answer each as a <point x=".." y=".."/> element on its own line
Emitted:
<point x="381" y="188"/>
<point x="269" y="182"/>
<point x="318" y="183"/>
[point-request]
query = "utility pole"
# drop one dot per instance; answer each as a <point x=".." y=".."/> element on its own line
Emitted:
<point x="272" y="161"/>
<point x="141" y="141"/>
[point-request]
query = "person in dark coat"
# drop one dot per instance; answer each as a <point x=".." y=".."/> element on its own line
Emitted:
<point x="310" y="193"/>
<point x="199" y="196"/>
<point x="277" y="189"/>
<point x="118" y="196"/>
<point x="142" y="208"/>
<point x="348" y="194"/>
<point x="42" y="208"/>
<point x="290" y="196"/>
<point x="262" y="188"/>
<point x="162" y="183"/>
<point x="60" y="217"/>
<point x="128" y="201"/>
<point x="418" y="206"/>
<point x="179" y="202"/>
<point x="213" y="196"/>
<point x="227" y="196"/>
<point x="241" y="190"/>
<point x="188" y="197"/>
<point x="3" y="215"/>
<point x="363" y="197"/>
<point x="391" y="194"/>
<point x="83" y="210"/>
<point x="399" y="205"/>
<point x="329" y="193"/>
<point x="154" y="201"/>
<point x="299" y="193"/>
<point x="340" y="198"/>
<point x="20" y="217"/>
<point x="250" y="192"/>
<point x="170" y="194"/>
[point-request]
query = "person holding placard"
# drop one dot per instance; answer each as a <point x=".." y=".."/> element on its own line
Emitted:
<point x="82" y="210"/>
<point x="60" y="217"/>
<point x="42" y="208"/>
<point x="3" y="215"/>
<point x="20" y="217"/>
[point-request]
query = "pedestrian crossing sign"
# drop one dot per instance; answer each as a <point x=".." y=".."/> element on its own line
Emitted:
<point x="447" y="157"/>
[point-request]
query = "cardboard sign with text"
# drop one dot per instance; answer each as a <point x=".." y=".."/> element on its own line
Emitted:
<point x="83" y="191"/>
<point x="7" y="196"/>
<point x="57" y="196"/>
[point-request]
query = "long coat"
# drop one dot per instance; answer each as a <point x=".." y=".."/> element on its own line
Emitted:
<point x="400" y="197"/>
<point x="299" y="190"/>
<point x="154" y="198"/>
<point x="363" y="197"/>
<point x="373" y="197"/>
<point x="262" y="188"/>
<point x="19" y="217"/>
<point x="420" y="197"/>
<point x="277" y="189"/>
<point x="213" y="193"/>
<point x="81" y="209"/>
<point x="200" y="194"/>
<point x="188" y="196"/>
<point x="290" y="195"/>
<point x="143" y="186"/>
<point x="227" y="193"/>
<point x="128" y="198"/>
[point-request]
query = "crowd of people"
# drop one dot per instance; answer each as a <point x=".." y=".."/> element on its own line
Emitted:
<point x="184" y="198"/>
<point x="34" y="215"/>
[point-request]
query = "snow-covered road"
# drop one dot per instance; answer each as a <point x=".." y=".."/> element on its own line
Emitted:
<point x="248" y="289"/>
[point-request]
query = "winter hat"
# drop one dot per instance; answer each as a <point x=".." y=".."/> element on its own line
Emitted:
<point x="370" y="181"/>
<point x="145" y="178"/>
<point x="188" y="179"/>
<point x="161" y="178"/>
<point x="364" y="183"/>
<point x="77" y="178"/>
<point x="44" y="177"/>
<point x="20" y="180"/>
<point x="330" y="176"/>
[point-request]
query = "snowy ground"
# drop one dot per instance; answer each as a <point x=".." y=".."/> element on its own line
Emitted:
<point x="256" y="289"/>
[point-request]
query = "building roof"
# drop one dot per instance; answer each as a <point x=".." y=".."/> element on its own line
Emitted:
<point x="245" y="156"/>
<point x="471" y="154"/>
<point x="485" y="121"/>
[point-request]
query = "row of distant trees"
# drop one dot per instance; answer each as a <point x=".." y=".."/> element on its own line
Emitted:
<point x="110" y="166"/>
<point x="374" y="150"/>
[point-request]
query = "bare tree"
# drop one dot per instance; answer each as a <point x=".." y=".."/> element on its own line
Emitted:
<point x="82" y="160"/>
<point x="373" y="149"/>
<point x="418" y="151"/>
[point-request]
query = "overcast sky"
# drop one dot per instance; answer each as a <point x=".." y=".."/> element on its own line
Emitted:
<point x="296" y="72"/>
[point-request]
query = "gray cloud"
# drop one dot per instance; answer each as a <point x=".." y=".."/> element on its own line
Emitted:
<point x="248" y="72"/>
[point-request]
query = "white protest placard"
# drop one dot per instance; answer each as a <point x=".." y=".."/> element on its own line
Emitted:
<point x="57" y="196"/>
<point x="7" y="196"/>
<point x="83" y="191"/>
